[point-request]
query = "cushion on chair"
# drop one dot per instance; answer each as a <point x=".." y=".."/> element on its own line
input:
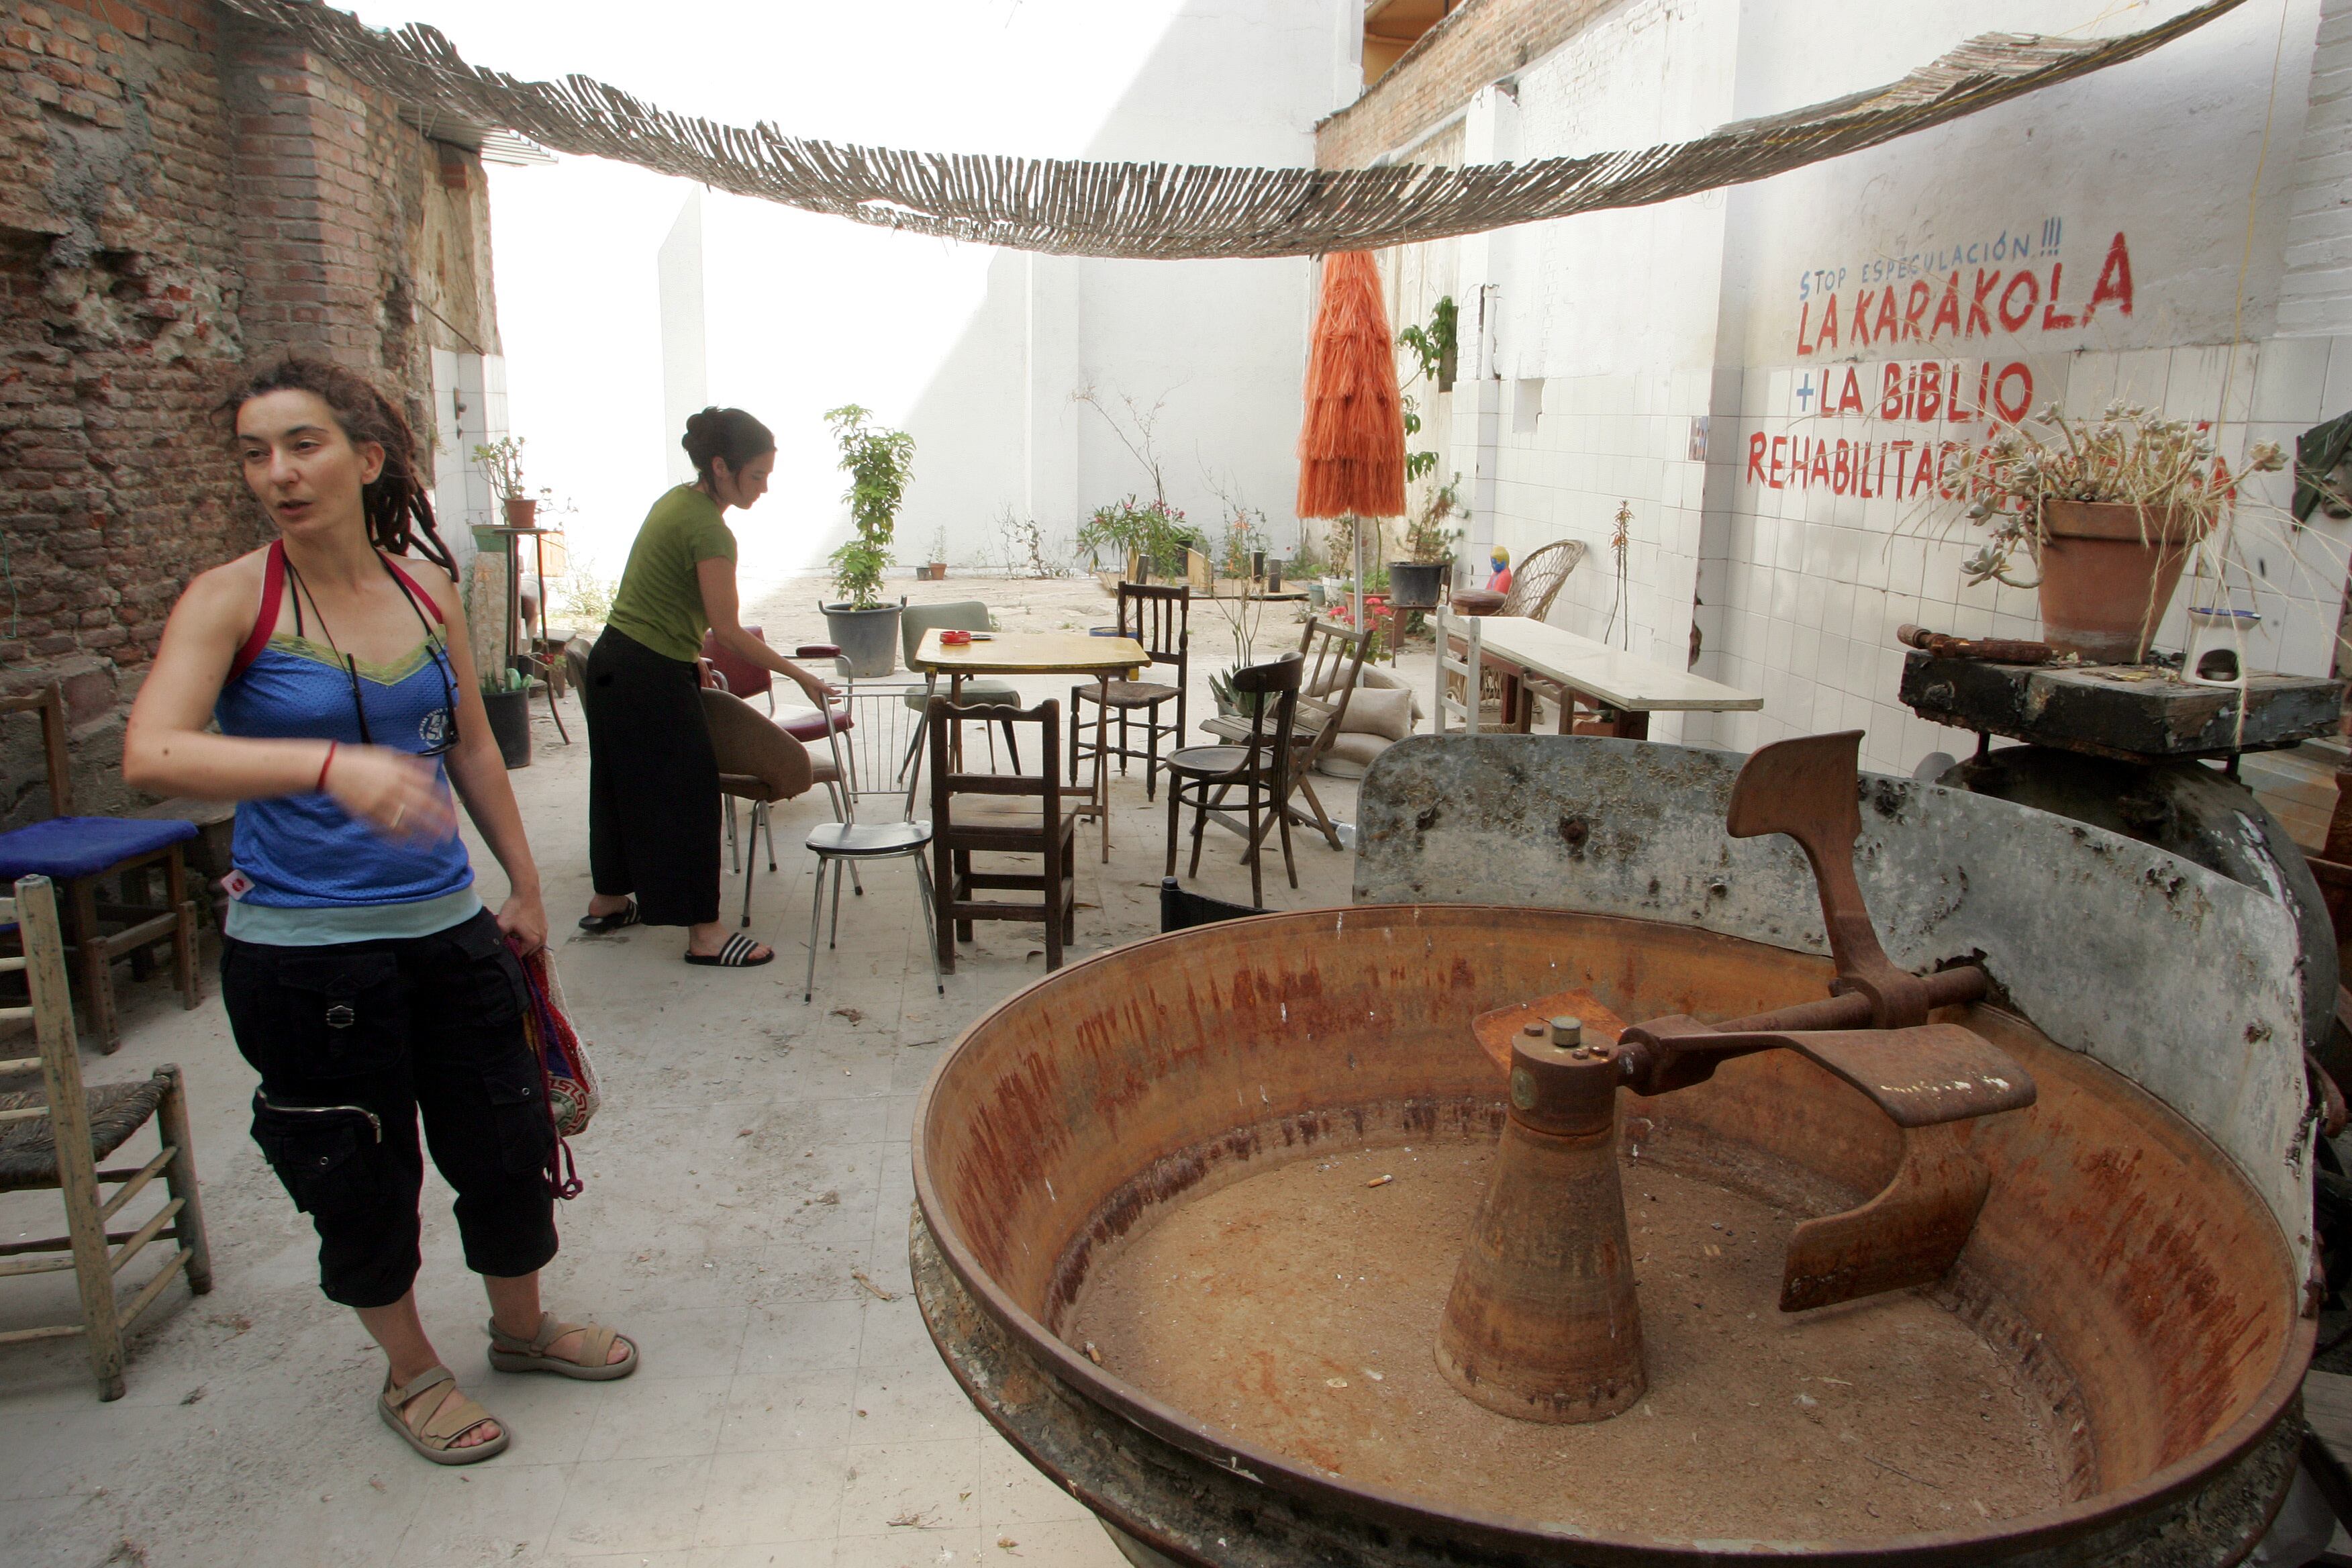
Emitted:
<point x="754" y="747"/>
<point x="810" y="728"/>
<point x="1373" y="712"/>
<point x="999" y="814"/>
<point x="28" y="1149"/>
<point x="817" y="650"/>
<point x="1352" y="754"/>
<point x="975" y="690"/>
<point x="1126" y="693"/>
<point x="69" y="846"/>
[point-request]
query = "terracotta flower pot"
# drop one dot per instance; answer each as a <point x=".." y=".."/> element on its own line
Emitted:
<point x="521" y="513"/>
<point x="2108" y="570"/>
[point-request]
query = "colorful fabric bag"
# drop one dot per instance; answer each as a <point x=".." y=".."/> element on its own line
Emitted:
<point x="568" y="1077"/>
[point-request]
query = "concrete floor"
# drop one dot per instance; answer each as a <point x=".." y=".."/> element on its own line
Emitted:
<point x="750" y="1161"/>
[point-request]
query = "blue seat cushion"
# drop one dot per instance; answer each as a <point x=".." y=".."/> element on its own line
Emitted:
<point x="67" y="846"/>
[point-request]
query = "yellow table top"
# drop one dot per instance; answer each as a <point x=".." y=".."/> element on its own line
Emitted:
<point x="1032" y="653"/>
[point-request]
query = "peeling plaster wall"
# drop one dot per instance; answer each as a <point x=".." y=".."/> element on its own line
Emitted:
<point x="2177" y="978"/>
<point x="180" y="191"/>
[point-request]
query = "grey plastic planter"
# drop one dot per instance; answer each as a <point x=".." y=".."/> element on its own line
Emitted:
<point x="868" y="638"/>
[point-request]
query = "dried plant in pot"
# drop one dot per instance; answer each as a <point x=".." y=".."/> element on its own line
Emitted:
<point x="2108" y="509"/>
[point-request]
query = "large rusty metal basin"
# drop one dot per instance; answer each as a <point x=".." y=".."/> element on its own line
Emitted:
<point x="2120" y="1257"/>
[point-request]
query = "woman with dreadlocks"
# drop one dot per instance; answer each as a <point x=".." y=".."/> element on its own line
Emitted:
<point x="365" y="981"/>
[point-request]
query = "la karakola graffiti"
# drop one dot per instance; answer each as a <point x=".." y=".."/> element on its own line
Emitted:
<point x="1921" y="310"/>
<point x="1930" y="403"/>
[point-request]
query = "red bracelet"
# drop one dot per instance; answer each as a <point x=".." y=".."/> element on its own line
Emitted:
<point x="329" y="761"/>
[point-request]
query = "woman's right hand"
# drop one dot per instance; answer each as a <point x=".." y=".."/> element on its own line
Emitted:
<point x="398" y="795"/>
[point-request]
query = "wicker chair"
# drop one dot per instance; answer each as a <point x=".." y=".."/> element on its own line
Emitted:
<point x="1538" y="580"/>
<point x="54" y="1136"/>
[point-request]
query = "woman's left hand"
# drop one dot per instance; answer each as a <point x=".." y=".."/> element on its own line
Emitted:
<point x="817" y="691"/>
<point x="522" y="920"/>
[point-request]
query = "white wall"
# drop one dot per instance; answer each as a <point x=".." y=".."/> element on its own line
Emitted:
<point x="1639" y="325"/>
<point x="975" y="351"/>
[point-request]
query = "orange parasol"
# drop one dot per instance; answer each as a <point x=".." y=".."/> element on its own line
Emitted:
<point x="1352" y="449"/>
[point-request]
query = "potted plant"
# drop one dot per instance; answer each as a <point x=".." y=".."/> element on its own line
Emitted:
<point x="2109" y="510"/>
<point x="501" y="465"/>
<point x="1416" y="582"/>
<point x="878" y="462"/>
<point x="936" y="569"/>
<point x="506" y="696"/>
<point x="1144" y="537"/>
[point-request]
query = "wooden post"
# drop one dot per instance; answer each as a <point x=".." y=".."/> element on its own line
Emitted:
<point x="53" y="1025"/>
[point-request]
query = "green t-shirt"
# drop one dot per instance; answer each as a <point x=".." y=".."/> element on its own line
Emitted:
<point x="659" y="602"/>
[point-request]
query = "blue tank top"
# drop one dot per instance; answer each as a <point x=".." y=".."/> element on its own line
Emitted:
<point x="305" y="851"/>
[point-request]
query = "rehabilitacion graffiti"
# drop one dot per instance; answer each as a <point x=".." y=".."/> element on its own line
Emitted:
<point x="1831" y="319"/>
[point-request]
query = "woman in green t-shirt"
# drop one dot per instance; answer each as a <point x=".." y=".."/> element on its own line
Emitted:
<point x="652" y="778"/>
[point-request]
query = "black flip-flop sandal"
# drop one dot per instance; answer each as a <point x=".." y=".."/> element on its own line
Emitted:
<point x="599" y="925"/>
<point x="736" y="954"/>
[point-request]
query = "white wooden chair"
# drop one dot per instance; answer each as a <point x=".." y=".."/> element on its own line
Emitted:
<point x="54" y="1137"/>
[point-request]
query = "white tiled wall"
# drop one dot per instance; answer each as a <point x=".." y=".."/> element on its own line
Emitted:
<point x="1797" y="590"/>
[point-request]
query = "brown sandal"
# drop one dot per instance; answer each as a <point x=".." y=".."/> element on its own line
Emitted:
<point x="450" y="1420"/>
<point x="509" y="1354"/>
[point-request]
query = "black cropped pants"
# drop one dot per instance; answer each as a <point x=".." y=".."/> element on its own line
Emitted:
<point x="653" y="784"/>
<point x="353" y="1042"/>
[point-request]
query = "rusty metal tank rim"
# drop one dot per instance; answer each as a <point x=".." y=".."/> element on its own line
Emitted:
<point x="1220" y="1450"/>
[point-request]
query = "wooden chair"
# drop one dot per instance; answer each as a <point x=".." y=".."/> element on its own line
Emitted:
<point x="1334" y="656"/>
<point x="54" y="1138"/>
<point x="1002" y="813"/>
<point x="1160" y="619"/>
<point x="78" y="853"/>
<point x="1259" y="766"/>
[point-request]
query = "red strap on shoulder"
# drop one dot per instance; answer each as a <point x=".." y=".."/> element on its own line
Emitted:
<point x="416" y="588"/>
<point x="273" y="587"/>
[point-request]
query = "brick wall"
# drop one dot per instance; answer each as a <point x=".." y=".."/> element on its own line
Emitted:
<point x="1481" y="40"/>
<point x="180" y="190"/>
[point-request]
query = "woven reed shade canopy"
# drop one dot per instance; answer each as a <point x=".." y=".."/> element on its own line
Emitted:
<point x="1164" y="211"/>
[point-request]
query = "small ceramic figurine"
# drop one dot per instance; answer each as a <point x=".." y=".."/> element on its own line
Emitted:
<point x="1501" y="581"/>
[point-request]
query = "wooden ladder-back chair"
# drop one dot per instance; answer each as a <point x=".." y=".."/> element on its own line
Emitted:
<point x="78" y="853"/>
<point x="1334" y="663"/>
<point x="1002" y="813"/>
<point x="1259" y="765"/>
<point x="54" y="1137"/>
<point x="1160" y="619"/>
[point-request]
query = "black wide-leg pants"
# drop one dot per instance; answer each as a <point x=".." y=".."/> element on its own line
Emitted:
<point x="653" y="784"/>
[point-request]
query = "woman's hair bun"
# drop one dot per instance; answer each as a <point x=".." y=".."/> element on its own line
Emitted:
<point x="727" y="432"/>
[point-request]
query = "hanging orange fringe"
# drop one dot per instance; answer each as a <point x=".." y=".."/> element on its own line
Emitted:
<point x="1352" y="448"/>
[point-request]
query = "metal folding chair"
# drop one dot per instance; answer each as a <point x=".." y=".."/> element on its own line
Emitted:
<point x="864" y="752"/>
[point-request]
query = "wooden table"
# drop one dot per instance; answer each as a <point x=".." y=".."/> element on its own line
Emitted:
<point x="1078" y="654"/>
<point x="1530" y="655"/>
